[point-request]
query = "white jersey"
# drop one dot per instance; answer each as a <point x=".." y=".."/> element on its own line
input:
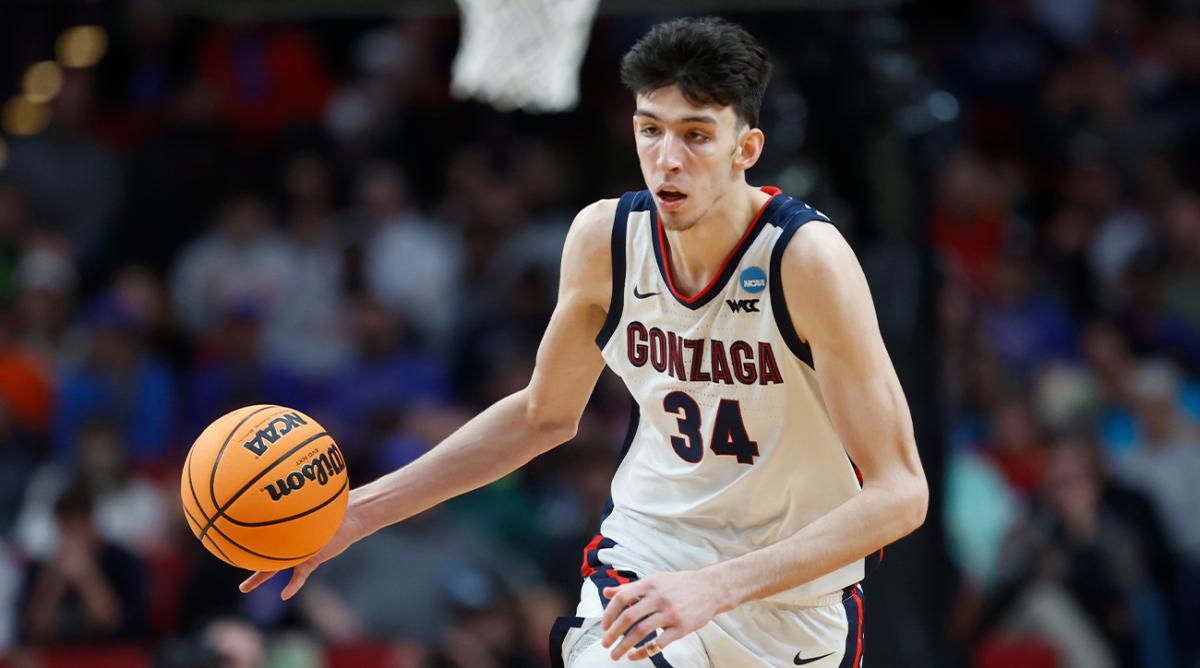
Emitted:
<point x="730" y="447"/>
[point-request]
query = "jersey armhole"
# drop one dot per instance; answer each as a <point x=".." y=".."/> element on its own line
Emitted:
<point x="783" y="317"/>
<point x="617" y="301"/>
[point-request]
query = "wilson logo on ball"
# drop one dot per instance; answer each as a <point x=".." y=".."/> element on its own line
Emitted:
<point x="320" y="470"/>
<point x="274" y="431"/>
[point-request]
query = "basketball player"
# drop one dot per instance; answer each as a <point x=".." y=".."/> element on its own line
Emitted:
<point x="741" y="323"/>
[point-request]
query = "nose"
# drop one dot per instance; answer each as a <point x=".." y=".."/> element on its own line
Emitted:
<point x="670" y="158"/>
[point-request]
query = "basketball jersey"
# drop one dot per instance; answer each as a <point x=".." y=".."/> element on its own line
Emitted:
<point x="730" y="447"/>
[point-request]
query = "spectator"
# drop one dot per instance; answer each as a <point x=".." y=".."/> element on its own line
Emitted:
<point x="1165" y="462"/>
<point x="46" y="284"/>
<point x="388" y="388"/>
<point x="232" y="372"/>
<point x="143" y="291"/>
<point x="308" y="332"/>
<point x="1092" y="187"/>
<point x="1024" y="326"/>
<point x="1064" y="257"/>
<point x="118" y="380"/>
<point x="1181" y="287"/>
<point x="25" y="386"/>
<point x="968" y="224"/>
<point x="1016" y="445"/>
<point x="410" y="263"/>
<point x="89" y="590"/>
<point x="129" y="508"/>
<point x="1149" y="326"/>
<point x="1074" y="573"/>
<point x="242" y="261"/>
<point x="74" y="183"/>
<point x="148" y="60"/>
<point x="266" y="77"/>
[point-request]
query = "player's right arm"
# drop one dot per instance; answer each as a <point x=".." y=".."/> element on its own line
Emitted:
<point x="515" y="429"/>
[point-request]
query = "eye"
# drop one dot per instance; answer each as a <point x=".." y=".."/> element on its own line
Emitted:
<point x="649" y="131"/>
<point x="696" y="135"/>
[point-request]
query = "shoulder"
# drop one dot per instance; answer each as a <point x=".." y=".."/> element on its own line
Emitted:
<point x="593" y="224"/>
<point x="587" y="252"/>
<point x="590" y="236"/>
<point x="818" y="251"/>
<point x="819" y="264"/>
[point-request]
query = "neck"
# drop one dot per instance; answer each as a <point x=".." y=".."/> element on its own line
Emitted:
<point x="697" y="253"/>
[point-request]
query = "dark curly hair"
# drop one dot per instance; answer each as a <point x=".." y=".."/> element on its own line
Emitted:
<point x="711" y="60"/>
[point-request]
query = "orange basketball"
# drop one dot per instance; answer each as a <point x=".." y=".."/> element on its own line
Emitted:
<point x="264" y="487"/>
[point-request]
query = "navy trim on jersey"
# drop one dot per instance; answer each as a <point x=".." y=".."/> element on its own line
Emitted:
<point x="731" y="263"/>
<point x="796" y="217"/>
<point x="617" y="301"/>
<point x="852" y="601"/>
<point x="558" y="636"/>
<point x="644" y="201"/>
<point x="659" y="660"/>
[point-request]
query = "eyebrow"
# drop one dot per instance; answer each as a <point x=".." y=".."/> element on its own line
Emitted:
<point x="702" y="118"/>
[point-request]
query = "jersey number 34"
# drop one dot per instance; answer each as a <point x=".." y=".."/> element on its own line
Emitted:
<point x="728" y="435"/>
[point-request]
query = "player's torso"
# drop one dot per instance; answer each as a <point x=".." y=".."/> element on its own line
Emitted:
<point x="733" y="449"/>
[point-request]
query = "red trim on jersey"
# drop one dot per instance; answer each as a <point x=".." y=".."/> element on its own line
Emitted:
<point x="587" y="569"/>
<point x="666" y="253"/>
<point x="858" y="641"/>
<point x="612" y="573"/>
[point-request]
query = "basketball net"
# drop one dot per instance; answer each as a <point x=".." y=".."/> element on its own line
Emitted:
<point x="522" y="54"/>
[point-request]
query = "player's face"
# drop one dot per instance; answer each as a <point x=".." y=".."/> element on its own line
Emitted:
<point x="687" y="153"/>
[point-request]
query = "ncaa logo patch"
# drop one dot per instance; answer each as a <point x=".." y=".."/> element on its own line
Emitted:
<point x="753" y="280"/>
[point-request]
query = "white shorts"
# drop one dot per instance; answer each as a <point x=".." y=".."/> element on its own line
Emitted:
<point x="829" y="634"/>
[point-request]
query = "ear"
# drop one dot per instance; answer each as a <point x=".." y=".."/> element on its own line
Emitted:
<point x="749" y="148"/>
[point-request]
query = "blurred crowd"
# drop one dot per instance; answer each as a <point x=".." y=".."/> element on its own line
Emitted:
<point x="1068" y="230"/>
<point x="224" y="214"/>
<point x="229" y="213"/>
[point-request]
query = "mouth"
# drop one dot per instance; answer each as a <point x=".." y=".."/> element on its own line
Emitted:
<point x="669" y="198"/>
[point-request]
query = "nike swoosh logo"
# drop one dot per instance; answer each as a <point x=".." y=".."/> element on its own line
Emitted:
<point x="642" y="295"/>
<point x="800" y="662"/>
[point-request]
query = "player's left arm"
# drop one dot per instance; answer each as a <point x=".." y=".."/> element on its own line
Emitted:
<point x="831" y="305"/>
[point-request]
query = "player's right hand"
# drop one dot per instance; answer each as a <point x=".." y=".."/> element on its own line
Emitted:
<point x="350" y="530"/>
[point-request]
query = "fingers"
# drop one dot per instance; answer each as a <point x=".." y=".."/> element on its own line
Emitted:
<point x="626" y="619"/>
<point x="636" y="634"/>
<point x="254" y="580"/>
<point x="299" y="576"/>
<point x="620" y="598"/>
<point x="663" y="639"/>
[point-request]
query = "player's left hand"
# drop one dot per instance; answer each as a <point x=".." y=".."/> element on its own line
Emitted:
<point x="677" y="603"/>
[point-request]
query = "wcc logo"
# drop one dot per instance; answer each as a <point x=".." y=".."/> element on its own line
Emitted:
<point x="754" y="281"/>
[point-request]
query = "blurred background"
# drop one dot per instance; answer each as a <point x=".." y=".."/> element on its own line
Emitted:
<point x="208" y="205"/>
